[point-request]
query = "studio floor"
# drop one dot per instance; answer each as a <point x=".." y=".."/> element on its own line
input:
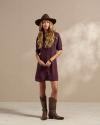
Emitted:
<point x="29" y="113"/>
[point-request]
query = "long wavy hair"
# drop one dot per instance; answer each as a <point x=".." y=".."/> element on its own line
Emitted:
<point x="49" y="35"/>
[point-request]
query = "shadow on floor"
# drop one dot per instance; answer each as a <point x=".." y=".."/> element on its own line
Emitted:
<point x="14" y="112"/>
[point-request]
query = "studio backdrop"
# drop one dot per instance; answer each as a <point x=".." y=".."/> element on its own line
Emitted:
<point x="78" y="22"/>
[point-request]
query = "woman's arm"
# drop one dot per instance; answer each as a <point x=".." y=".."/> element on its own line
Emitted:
<point x="37" y="57"/>
<point x="58" y="53"/>
<point x="58" y="47"/>
<point x="39" y="60"/>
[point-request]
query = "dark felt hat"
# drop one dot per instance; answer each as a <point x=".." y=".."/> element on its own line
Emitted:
<point x="45" y="17"/>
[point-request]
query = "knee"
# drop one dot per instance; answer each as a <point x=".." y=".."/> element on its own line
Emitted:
<point x="42" y="85"/>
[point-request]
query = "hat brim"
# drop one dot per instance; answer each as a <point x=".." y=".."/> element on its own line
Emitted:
<point x="37" y="22"/>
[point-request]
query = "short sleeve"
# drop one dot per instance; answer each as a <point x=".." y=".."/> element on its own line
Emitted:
<point x="59" y="43"/>
<point x="37" y="48"/>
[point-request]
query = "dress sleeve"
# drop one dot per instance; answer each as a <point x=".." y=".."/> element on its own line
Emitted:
<point x="37" y="48"/>
<point x="59" y="43"/>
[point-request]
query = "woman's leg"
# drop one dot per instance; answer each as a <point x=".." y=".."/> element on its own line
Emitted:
<point x="43" y="100"/>
<point x="54" y="86"/>
<point x="42" y="86"/>
<point x="52" y="102"/>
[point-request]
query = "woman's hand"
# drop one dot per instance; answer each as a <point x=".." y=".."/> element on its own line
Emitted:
<point x="48" y="63"/>
<point x="41" y="62"/>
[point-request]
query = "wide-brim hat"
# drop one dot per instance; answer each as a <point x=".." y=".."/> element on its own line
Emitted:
<point x="45" y="17"/>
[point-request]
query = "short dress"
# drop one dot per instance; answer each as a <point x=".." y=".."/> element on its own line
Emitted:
<point x="44" y="73"/>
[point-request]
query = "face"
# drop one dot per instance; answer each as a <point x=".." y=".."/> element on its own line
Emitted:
<point x="46" y="24"/>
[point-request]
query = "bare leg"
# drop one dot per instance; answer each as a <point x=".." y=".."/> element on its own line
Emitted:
<point x="42" y="88"/>
<point x="54" y="86"/>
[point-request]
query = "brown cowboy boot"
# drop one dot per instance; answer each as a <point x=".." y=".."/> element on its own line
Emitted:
<point x="52" y="109"/>
<point x="44" y="107"/>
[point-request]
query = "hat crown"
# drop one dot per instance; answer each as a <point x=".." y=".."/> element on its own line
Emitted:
<point x="45" y="16"/>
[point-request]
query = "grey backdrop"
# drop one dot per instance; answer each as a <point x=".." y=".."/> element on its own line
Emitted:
<point x="78" y="22"/>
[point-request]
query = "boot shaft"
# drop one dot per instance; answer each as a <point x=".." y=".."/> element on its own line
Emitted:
<point x="44" y="107"/>
<point x="52" y="103"/>
<point x="43" y="101"/>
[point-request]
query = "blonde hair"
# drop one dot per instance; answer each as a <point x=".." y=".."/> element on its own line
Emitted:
<point x="49" y="35"/>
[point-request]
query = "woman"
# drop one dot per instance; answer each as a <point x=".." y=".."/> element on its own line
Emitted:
<point x="48" y="48"/>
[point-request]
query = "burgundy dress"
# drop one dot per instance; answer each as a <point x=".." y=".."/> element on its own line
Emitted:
<point x="43" y="72"/>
